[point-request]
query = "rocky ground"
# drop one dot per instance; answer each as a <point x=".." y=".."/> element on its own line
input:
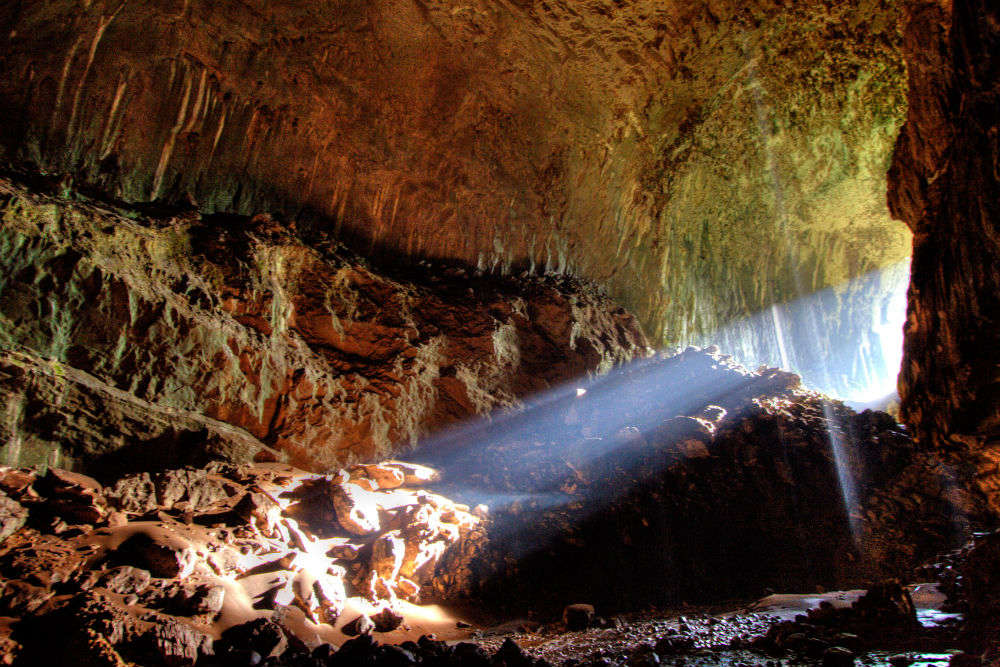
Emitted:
<point x="243" y="565"/>
<point x="729" y="489"/>
<point x="164" y="567"/>
<point x="688" y="477"/>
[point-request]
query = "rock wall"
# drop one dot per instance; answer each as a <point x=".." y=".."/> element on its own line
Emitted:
<point x="701" y="159"/>
<point x="129" y="341"/>
<point x="944" y="183"/>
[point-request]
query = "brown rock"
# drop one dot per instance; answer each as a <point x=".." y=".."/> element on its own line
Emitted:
<point x="387" y="620"/>
<point x="387" y="477"/>
<point x="332" y="596"/>
<point x="12" y="516"/>
<point x="414" y="474"/>
<point x="357" y="510"/>
<point x="362" y="625"/>
<point x="164" y="556"/>
<point x="388" y="553"/>
<point x="126" y="580"/>
<point x="15" y="481"/>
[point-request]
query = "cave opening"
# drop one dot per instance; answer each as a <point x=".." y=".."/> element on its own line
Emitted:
<point x="845" y="341"/>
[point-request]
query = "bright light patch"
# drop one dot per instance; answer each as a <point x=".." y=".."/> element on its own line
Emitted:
<point x="845" y="341"/>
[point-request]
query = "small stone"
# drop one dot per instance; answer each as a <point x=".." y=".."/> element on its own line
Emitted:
<point x="362" y="625"/>
<point x="578" y="616"/>
<point x="387" y="620"/>
<point x="838" y="656"/>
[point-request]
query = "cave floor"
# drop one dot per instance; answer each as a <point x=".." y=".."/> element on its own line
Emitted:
<point x="720" y="631"/>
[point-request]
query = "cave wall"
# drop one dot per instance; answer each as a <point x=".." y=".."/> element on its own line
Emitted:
<point x="945" y="184"/>
<point x="701" y="159"/>
<point x="129" y="341"/>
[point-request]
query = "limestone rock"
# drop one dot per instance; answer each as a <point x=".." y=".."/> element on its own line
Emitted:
<point x="943" y="183"/>
<point x="386" y="620"/>
<point x="356" y="508"/>
<point x="126" y="579"/>
<point x="12" y="516"/>
<point x="362" y="625"/>
<point x="626" y="142"/>
<point x="389" y="551"/>
<point x="309" y="349"/>
<point x="162" y="555"/>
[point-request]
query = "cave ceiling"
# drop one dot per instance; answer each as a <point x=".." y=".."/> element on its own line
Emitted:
<point x="700" y="159"/>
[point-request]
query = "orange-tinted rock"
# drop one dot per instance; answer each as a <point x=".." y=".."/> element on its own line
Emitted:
<point x="357" y="509"/>
<point x="944" y="184"/>
<point x="171" y="362"/>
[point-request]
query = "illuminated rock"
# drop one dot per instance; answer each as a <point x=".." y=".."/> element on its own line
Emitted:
<point x="384" y="476"/>
<point x="12" y="516"/>
<point x="388" y="552"/>
<point x="357" y="509"/>
<point x="201" y="340"/>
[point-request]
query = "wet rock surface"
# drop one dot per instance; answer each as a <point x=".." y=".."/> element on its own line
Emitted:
<point x="131" y="342"/>
<point x="970" y="577"/>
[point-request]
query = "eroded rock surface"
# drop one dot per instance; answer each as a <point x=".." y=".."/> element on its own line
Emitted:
<point x="130" y="342"/>
<point x="186" y="576"/>
<point x="703" y="159"/>
<point x="945" y="184"/>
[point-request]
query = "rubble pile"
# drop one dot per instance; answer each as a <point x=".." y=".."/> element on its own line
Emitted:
<point x="181" y="565"/>
<point x="707" y="481"/>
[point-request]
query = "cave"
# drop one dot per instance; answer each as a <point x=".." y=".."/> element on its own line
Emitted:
<point x="505" y="333"/>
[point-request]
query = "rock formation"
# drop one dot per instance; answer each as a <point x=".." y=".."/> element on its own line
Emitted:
<point x="944" y="184"/>
<point x="701" y="159"/>
<point x="732" y="481"/>
<point x="126" y="339"/>
<point x="187" y="564"/>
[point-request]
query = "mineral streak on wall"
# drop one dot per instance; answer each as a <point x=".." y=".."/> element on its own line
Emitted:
<point x="702" y="159"/>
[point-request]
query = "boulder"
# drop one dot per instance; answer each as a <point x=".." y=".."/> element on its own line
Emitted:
<point x="578" y="616"/>
<point x="357" y="509"/>
<point x="362" y="625"/>
<point x="387" y="620"/>
<point x="12" y="516"/>
<point x="165" y="556"/>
